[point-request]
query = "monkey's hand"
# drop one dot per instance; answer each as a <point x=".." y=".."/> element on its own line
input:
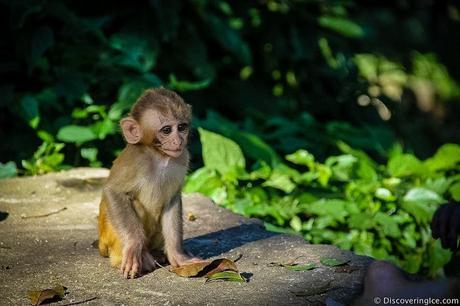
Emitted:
<point x="178" y="259"/>
<point x="131" y="261"/>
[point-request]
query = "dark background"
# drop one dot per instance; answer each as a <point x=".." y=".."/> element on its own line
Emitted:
<point x="291" y="72"/>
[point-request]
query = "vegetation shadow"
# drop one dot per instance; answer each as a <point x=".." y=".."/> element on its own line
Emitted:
<point x="222" y="241"/>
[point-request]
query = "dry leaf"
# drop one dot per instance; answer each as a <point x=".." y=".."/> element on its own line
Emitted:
<point x="205" y="268"/>
<point x="191" y="217"/>
<point x="39" y="296"/>
<point x="190" y="270"/>
<point x="220" y="265"/>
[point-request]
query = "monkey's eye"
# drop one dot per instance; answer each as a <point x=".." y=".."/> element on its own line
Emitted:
<point x="182" y="127"/>
<point x="166" y="130"/>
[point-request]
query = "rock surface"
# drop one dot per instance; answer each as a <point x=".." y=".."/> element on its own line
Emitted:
<point x="38" y="250"/>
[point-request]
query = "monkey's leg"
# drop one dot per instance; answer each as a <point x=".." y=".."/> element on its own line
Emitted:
<point x="109" y="242"/>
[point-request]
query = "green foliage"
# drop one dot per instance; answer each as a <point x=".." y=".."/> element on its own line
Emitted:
<point x="47" y="158"/>
<point x="8" y="170"/>
<point x="288" y="74"/>
<point x="351" y="201"/>
<point x="326" y="84"/>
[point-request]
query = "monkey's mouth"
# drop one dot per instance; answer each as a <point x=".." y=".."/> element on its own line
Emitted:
<point x="175" y="151"/>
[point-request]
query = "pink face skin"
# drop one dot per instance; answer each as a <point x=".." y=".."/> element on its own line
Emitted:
<point x="171" y="134"/>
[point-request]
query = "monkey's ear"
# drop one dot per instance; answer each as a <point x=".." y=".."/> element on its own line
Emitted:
<point x="131" y="130"/>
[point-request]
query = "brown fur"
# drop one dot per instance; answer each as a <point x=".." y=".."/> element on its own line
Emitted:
<point x="141" y="209"/>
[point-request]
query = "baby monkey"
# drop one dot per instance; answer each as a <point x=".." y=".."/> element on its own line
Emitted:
<point x="141" y="208"/>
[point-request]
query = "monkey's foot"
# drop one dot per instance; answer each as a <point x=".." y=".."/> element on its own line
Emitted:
<point x="180" y="259"/>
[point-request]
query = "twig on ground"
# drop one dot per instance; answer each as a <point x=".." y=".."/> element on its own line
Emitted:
<point x="44" y="215"/>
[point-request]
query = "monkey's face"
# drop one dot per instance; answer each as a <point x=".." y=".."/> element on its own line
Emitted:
<point x="169" y="135"/>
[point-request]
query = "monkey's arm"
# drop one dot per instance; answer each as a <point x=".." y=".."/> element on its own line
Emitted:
<point x="123" y="217"/>
<point x="171" y="221"/>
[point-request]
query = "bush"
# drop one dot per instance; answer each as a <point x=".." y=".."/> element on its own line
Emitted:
<point x="349" y="200"/>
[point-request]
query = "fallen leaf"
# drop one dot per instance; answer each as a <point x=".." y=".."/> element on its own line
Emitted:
<point x="191" y="217"/>
<point x="228" y="276"/>
<point x="190" y="270"/>
<point x="332" y="262"/>
<point x="205" y="268"/>
<point x="296" y="267"/>
<point x="37" y="297"/>
<point x="220" y="265"/>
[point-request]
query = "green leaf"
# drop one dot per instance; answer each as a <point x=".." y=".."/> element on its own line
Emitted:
<point x="389" y="225"/>
<point x="220" y="153"/>
<point x="203" y="180"/>
<point x="263" y="171"/>
<point x="332" y="208"/>
<point x="421" y="203"/>
<point x="76" y="134"/>
<point x="342" y="166"/>
<point x="175" y="84"/>
<point x="423" y="195"/>
<point x="455" y="191"/>
<point x="384" y="194"/>
<point x="253" y="146"/>
<point x="342" y="26"/>
<point x="302" y="157"/>
<point x="438" y="256"/>
<point x="89" y="153"/>
<point x="8" y="169"/>
<point x="228" y="276"/>
<point x="296" y="267"/>
<point x="280" y="181"/>
<point x="447" y="156"/>
<point x="404" y="165"/>
<point x="361" y="155"/>
<point x="361" y="221"/>
<point x="332" y="262"/>
<point x="324" y="174"/>
<point x="296" y="223"/>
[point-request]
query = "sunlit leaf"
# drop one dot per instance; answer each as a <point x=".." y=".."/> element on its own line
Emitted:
<point x="455" y="191"/>
<point x="446" y="157"/>
<point x="302" y="157"/>
<point x="76" y="134"/>
<point x="220" y="153"/>
<point x="38" y="297"/>
<point x="404" y="165"/>
<point x="421" y="203"/>
<point x="205" y="268"/>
